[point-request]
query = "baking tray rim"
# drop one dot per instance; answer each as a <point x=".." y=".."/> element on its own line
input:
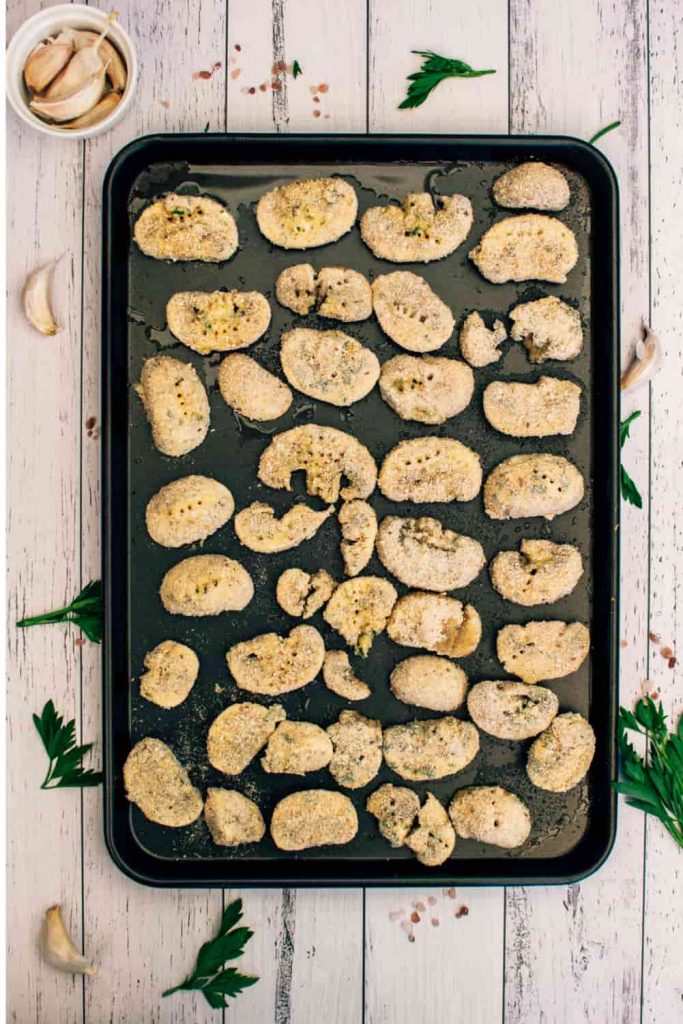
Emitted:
<point x="129" y="856"/>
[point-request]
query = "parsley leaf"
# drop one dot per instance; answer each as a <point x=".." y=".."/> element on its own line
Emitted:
<point x="653" y="784"/>
<point x="215" y="983"/>
<point x="85" y="611"/>
<point x="603" y="131"/>
<point x="296" y="69"/>
<point x="629" y="491"/>
<point x="65" y="768"/>
<point x="433" y="71"/>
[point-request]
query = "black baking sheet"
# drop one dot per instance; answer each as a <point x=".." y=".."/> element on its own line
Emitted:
<point x="572" y="832"/>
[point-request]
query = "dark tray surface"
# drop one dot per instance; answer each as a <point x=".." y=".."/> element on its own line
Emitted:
<point x="571" y="832"/>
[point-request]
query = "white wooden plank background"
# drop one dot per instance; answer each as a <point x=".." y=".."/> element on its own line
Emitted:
<point x="605" y="951"/>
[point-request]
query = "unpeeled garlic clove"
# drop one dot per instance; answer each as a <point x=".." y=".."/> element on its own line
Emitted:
<point x="86" y="62"/>
<point x="45" y="63"/>
<point x="36" y="299"/>
<point x="58" y="948"/>
<point x="646" y="361"/>
<point x="79" y="102"/>
<point x="116" y="72"/>
<point x="97" y="113"/>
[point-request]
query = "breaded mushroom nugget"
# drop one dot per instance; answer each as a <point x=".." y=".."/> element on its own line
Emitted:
<point x="334" y="292"/>
<point x="186" y="228"/>
<point x="357" y="743"/>
<point x="550" y="406"/>
<point x="395" y="808"/>
<point x="541" y="572"/>
<point x="417" y="231"/>
<point x="188" y="510"/>
<point x="532" y="485"/>
<point x="340" y="678"/>
<point x="511" y="710"/>
<point x="424" y="555"/>
<point x="428" y="681"/>
<point x="217" y="321"/>
<point x="328" y="365"/>
<point x="325" y="454"/>
<point x="251" y="390"/>
<point x="233" y="819"/>
<point x="480" y="345"/>
<point x="490" y="814"/>
<point x="430" y="749"/>
<point x="172" y="670"/>
<point x="543" y="650"/>
<point x="296" y="748"/>
<point x="206" y="585"/>
<point x="306" y="214"/>
<point x="430" y="469"/>
<point x="313" y="817"/>
<point x="410" y="313"/>
<point x="549" y="328"/>
<point x="239" y="732"/>
<point x="258" y="528"/>
<point x="532" y="185"/>
<point x="433" y="839"/>
<point x="427" y="389"/>
<point x="358" y="523"/>
<point x="158" y="784"/>
<point x="176" y="404"/>
<point x="531" y="247"/>
<point x="271" y="664"/>
<point x="302" y="594"/>
<point x="436" y="623"/>
<point x="561" y="756"/>
<point x="359" y="610"/>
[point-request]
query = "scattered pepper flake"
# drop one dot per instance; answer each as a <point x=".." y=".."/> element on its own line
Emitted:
<point x="263" y="86"/>
<point x="238" y="47"/>
<point x="324" y="87"/>
<point x="655" y="638"/>
<point x="235" y="73"/>
<point x="462" y="911"/>
<point x="672" y="662"/>
<point x="316" y="113"/>
<point x="415" y="917"/>
<point x="624" y="643"/>
<point x="79" y="642"/>
<point x="251" y="90"/>
<point x="165" y="104"/>
<point x="451" y="893"/>
<point x="666" y="652"/>
<point x="313" y="89"/>
<point x="278" y="67"/>
<point x="420" y="906"/>
<point x="655" y="694"/>
<point x="90" y="422"/>
<point x="276" y="86"/>
<point x="431" y="900"/>
<point x="316" y="99"/>
<point x="436" y="922"/>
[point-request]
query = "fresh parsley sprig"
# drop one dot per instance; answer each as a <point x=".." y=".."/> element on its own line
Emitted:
<point x="296" y="69"/>
<point x="210" y="977"/>
<point x="66" y="759"/>
<point x="433" y="71"/>
<point x="85" y="611"/>
<point x="629" y="491"/>
<point x="603" y="131"/>
<point x="653" y="784"/>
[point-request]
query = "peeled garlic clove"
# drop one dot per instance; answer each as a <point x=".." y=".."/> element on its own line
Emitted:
<point x="116" y="72"/>
<point x="36" y="299"/>
<point x="72" y="106"/>
<point x="45" y="63"/>
<point x="646" y="362"/>
<point x="58" y="949"/>
<point x="98" y="112"/>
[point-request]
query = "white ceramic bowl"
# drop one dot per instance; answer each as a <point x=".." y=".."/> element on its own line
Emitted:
<point x="49" y="22"/>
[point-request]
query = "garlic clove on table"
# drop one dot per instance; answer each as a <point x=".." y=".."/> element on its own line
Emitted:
<point x="116" y="72"/>
<point x="58" y="948"/>
<point x="646" y="362"/>
<point x="36" y="299"/>
<point x="86" y="61"/>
